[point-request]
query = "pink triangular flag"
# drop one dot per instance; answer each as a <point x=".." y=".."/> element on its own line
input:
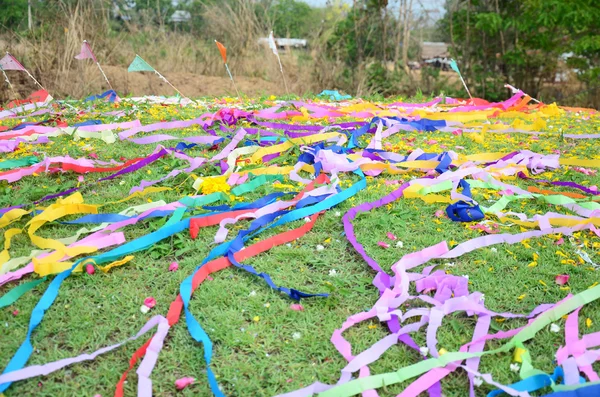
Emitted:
<point x="86" y="52"/>
<point x="10" y="63"/>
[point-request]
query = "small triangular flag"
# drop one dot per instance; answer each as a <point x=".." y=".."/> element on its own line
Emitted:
<point x="86" y="52"/>
<point x="139" y="65"/>
<point x="10" y="63"/>
<point x="454" y="66"/>
<point x="222" y="50"/>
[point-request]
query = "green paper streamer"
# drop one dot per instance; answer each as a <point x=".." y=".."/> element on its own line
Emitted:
<point x="22" y="162"/>
<point x="255" y="183"/>
<point x="176" y="217"/>
<point x="376" y="381"/>
<point x="203" y="200"/>
<point x="14" y="294"/>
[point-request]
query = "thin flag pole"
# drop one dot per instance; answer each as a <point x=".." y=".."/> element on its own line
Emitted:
<point x="8" y="82"/>
<point x="454" y="66"/>
<point x="223" y="51"/>
<point x="465" y="85"/>
<point x="105" y="78"/>
<point x="26" y="71"/>
<point x="145" y="67"/>
<point x="98" y="64"/>
<point x="233" y="81"/>
<point x="273" y="46"/>
<point x="283" y="76"/>
<point x="168" y="82"/>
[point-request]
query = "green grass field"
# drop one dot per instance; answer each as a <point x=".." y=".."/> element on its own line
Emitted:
<point x="261" y="346"/>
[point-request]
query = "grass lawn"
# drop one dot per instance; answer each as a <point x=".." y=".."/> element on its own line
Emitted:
<point x="261" y="346"/>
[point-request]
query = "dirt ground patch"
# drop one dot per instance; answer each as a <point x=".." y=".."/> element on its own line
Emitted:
<point x="89" y="81"/>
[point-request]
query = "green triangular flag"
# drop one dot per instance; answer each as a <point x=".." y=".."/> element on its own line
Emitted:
<point x="139" y="65"/>
<point x="454" y="66"/>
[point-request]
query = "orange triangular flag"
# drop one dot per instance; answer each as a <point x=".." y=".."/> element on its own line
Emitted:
<point x="222" y="50"/>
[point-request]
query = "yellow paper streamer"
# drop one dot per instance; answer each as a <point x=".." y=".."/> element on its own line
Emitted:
<point x="12" y="216"/>
<point x="260" y="153"/>
<point x="518" y="354"/>
<point x="44" y="269"/>
<point x="121" y="262"/>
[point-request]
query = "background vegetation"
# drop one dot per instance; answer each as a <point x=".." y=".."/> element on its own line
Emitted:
<point x="362" y="48"/>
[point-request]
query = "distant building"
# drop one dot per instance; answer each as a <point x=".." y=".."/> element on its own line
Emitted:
<point x="435" y="54"/>
<point x="432" y="50"/>
<point x="180" y="16"/>
<point x="283" y="42"/>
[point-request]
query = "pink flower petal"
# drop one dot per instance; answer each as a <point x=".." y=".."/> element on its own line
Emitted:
<point x="457" y="132"/>
<point x="182" y="383"/>
<point x="150" y="302"/>
<point x="297" y="307"/>
<point x="391" y="236"/>
<point x="439" y="213"/>
<point x="89" y="269"/>
<point x="585" y="171"/>
<point x="94" y="156"/>
<point x="431" y="142"/>
<point x="484" y="228"/>
<point x="506" y="192"/>
<point x="80" y="178"/>
<point x="560" y="241"/>
<point x="562" y="279"/>
<point x="14" y="313"/>
<point x="209" y="278"/>
<point x="382" y="244"/>
<point x="173" y="266"/>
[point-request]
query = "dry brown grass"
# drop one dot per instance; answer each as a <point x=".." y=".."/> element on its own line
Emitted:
<point x="49" y="54"/>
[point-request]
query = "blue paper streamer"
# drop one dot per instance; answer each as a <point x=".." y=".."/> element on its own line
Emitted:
<point x="111" y="96"/>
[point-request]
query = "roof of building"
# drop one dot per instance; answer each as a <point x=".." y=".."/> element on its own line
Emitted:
<point x="430" y="49"/>
<point x="181" y="16"/>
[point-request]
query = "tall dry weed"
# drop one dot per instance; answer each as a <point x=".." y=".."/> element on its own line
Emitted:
<point x="49" y="52"/>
